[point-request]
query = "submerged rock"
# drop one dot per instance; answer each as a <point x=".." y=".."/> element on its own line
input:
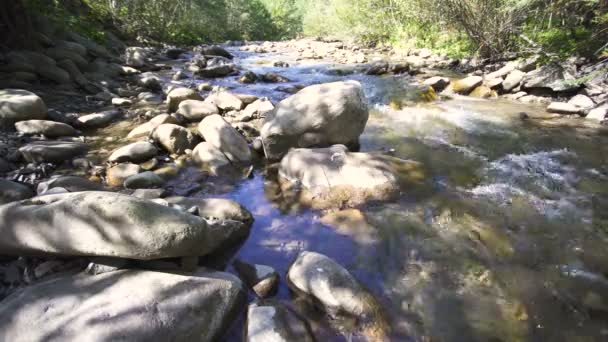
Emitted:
<point x="129" y="305"/>
<point x="336" y="291"/>
<point x="108" y="224"/>
<point x="271" y="321"/>
<point x="319" y="115"/>
<point x="18" y="105"/>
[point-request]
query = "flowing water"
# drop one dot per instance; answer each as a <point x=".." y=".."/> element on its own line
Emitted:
<point x="505" y="240"/>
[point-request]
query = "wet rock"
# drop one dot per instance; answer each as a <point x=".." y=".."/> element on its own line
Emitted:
<point x="582" y="101"/>
<point x="483" y="92"/>
<point x="130" y="305"/>
<point x="213" y="51"/>
<point x="204" y="87"/>
<point x="19" y="105"/>
<point x="248" y="77"/>
<point x="176" y="96"/>
<point x="150" y="81"/>
<point x="333" y="175"/>
<point x="217" y="132"/>
<point x="145" y="129"/>
<point x="553" y="77"/>
<point x="210" y="158"/>
<point x="215" y="208"/>
<point x="13" y="191"/>
<point x="377" y="68"/>
<point x="116" y="175"/>
<point x="98" y="120"/>
<point x="335" y="289"/>
<point x="272" y="77"/>
<point x="144" y="180"/>
<point x="466" y="85"/>
<point x="225" y="101"/>
<point x="69" y="183"/>
<point x="512" y="80"/>
<point x="194" y="110"/>
<point x="262" y="279"/>
<point x="180" y="75"/>
<point x="108" y="224"/>
<point x="175" y="139"/>
<point x="134" y="153"/>
<point x="438" y="83"/>
<point x="50" y="129"/>
<point x="149" y="98"/>
<point x="563" y="108"/>
<point x="319" y="115"/>
<point x="215" y="71"/>
<point x="271" y="321"/>
<point x="52" y="151"/>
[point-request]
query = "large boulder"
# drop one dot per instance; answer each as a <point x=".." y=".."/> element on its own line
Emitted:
<point x="175" y="139"/>
<point x="145" y="129"/>
<point x="13" y="191"/>
<point x="135" y="153"/>
<point x="50" y="129"/>
<point x="194" y="110"/>
<point x="52" y="151"/>
<point x="18" y="105"/>
<point x="319" y="115"/>
<point x="333" y="175"/>
<point x="332" y="287"/>
<point x="176" y="96"/>
<point x="125" y="305"/>
<point x="271" y="321"/>
<point x="96" y="223"/>
<point x="215" y="208"/>
<point x="225" y="138"/>
<point x="553" y="77"/>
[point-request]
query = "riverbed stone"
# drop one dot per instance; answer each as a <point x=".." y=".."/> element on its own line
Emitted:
<point x="225" y="101"/>
<point x="582" y="101"/>
<point x="272" y="321"/>
<point x="136" y="56"/>
<point x="128" y="305"/>
<point x="224" y="137"/>
<point x="150" y="81"/>
<point x="108" y="224"/>
<point x="466" y="85"/>
<point x="52" y="151"/>
<point x="598" y="114"/>
<point x="134" y="153"/>
<point x="262" y="279"/>
<point x="563" y="108"/>
<point x="215" y="71"/>
<point x="116" y="175"/>
<point x="259" y="108"/>
<point x="318" y="115"/>
<point x="215" y="208"/>
<point x="19" y="105"/>
<point x="437" y="82"/>
<point x="214" y="50"/>
<point x="176" y="96"/>
<point x="13" y="191"/>
<point x="553" y="77"/>
<point x="482" y="92"/>
<point x="145" y="129"/>
<point x="332" y="175"/>
<point x="334" y="289"/>
<point x="175" y="139"/>
<point x="48" y="128"/>
<point x="195" y="110"/>
<point x="69" y="183"/>
<point x="144" y="180"/>
<point x="512" y="80"/>
<point x="98" y="120"/>
<point x="211" y="159"/>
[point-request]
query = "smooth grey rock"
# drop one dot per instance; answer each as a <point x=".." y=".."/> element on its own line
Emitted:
<point x="512" y="80"/>
<point x="211" y="159"/>
<point x="215" y="208"/>
<point x="437" y="82"/>
<point x="271" y="321"/>
<point x="225" y="101"/>
<point x="98" y="120"/>
<point x="582" y="101"/>
<point x="262" y="279"/>
<point x="150" y="81"/>
<point x="50" y="129"/>
<point x="217" y="132"/>
<point x="214" y="50"/>
<point x="259" y="108"/>
<point x="319" y="115"/>
<point x="195" y="110"/>
<point x="126" y="305"/>
<point x="13" y="191"/>
<point x="598" y="114"/>
<point x="108" y="224"/>
<point x="175" y="139"/>
<point x="70" y="184"/>
<point x="52" y="151"/>
<point x="149" y="98"/>
<point x="176" y="96"/>
<point x="149" y="193"/>
<point x="116" y="175"/>
<point x="145" y="129"/>
<point x="215" y="71"/>
<point x="144" y="180"/>
<point x="137" y="152"/>
<point x="563" y="108"/>
<point x="19" y="105"/>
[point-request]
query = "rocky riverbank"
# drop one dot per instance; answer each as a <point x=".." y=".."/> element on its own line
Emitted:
<point x="96" y="216"/>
